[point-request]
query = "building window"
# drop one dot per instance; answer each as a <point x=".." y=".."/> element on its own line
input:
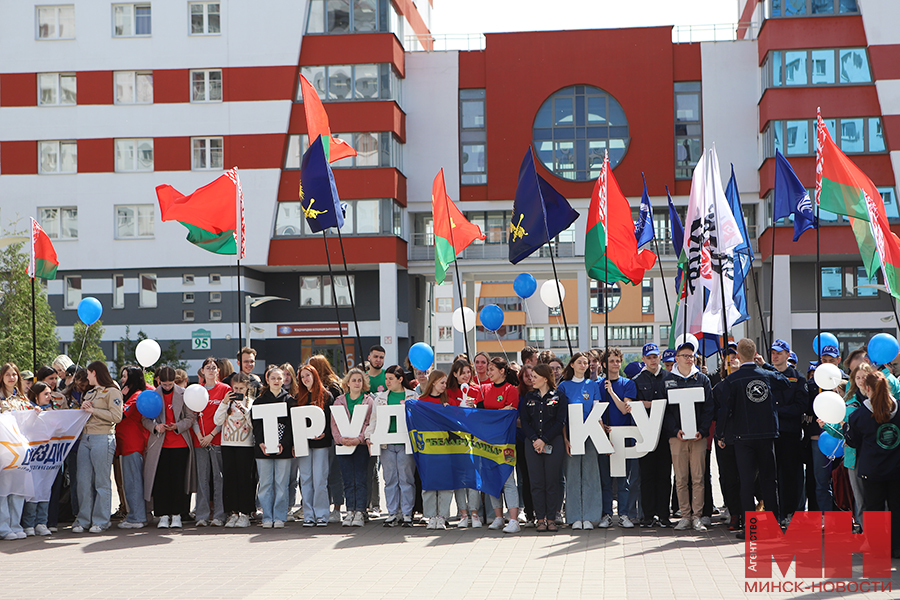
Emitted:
<point x="56" y="89"/>
<point x="207" y="154"/>
<point x="59" y="223"/>
<point x="558" y="336"/>
<point x="58" y="157"/>
<point x="187" y="315"/>
<point x="133" y="87"/>
<point x="215" y="297"/>
<point x="804" y="8"/>
<point x="72" y="285"/>
<point x="56" y="22"/>
<point x="506" y="332"/>
<point x="688" y="128"/>
<point x="206" y="18"/>
<point x="148" y="290"/>
<point x="215" y="278"/>
<point x="187" y="297"/>
<point x="345" y="16"/>
<point x="187" y="279"/>
<point x="472" y="137"/>
<point x="840" y="66"/>
<point x="134" y="155"/>
<point x="215" y="314"/>
<point x="573" y="129"/>
<point x="534" y="334"/>
<point x="374" y="149"/>
<point x="134" y="221"/>
<point x="445" y="305"/>
<point x="348" y="83"/>
<point x="610" y="291"/>
<point x="315" y="290"/>
<point x="630" y="335"/>
<point x="361" y="217"/>
<point x="647" y="296"/>
<point x="848" y="282"/>
<point x="206" y="86"/>
<point x="118" y="295"/>
<point x="131" y="20"/>
<point x="854" y="135"/>
<point x="506" y="303"/>
<point x="664" y="331"/>
<point x="445" y="333"/>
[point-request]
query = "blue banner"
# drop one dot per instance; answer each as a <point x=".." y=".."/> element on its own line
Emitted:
<point x="643" y="229"/>
<point x="457" y="448"/>
<point x="318" y="193"/>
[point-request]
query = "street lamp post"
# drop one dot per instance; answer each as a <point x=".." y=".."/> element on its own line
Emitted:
<point x="251" y="302"/>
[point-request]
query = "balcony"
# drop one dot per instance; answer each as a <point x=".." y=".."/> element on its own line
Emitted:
<point x="422" y="248"/>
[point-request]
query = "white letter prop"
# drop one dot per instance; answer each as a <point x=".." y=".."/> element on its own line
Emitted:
<point x="650" y="426"/>
<point x="308" y="422"/>
<point x="686" y="398"/>
<point x="591" y="428"/>
<point x="383" y="414"/>
<point x="618" y="435"/>
<point x="269" y="414"/>
<point x="348" y="427"/>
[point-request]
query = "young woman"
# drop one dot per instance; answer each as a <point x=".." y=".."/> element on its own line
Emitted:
<point x="436" y="503"/>
<point x="482" y="359"/>
<point x="398" y="467"/>
<point x="353" y="466"/>
<point x="502" y="393"/>
<point x="314" y="467"/>
<point x="208" y="449"/>
<point x="98" y="445"/>
<point x="583" y="506"/>
<point x="291" y="384"/>
<point x="543" y="413"/>
<point x="35" y="514"/>
<point x="332" y="383"/>
<point x="854" y="398"/>
<point x="11" y="384"/>
<point x="526" y="502"/>
<point x="12" y="398"/>
<point x="461" y="391"/>
<point x="274" y="464"/>
<point x="238" y="481"/>
<point x="170" y="475"/>
<point x="557" y="366"/>
<point x="131" y="440"/>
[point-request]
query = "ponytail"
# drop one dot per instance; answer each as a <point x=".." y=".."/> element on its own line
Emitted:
<point x="880" y="397"/>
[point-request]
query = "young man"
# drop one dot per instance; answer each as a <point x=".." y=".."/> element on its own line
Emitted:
<point x="617" y="415"/>
<point x="596" y="371"/>
<point x="792" y="404"/>
<point x="529" y="356"/>
<point x="376" y="384"/>
<point x="656" y="467"/>
<point x="668" y="359"/>
<point x="376" y="371"/>
<point x="247" y="361"/>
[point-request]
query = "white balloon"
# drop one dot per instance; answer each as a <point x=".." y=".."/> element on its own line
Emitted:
<point x="196" y="397"/>
<point x="458" y="318"/>
<point x="690" y="337"/>
<point x="147" y="352"/>
<point x="829" y="406"/>
<point x="827" y="376"/>
<point x="549" y="294"/>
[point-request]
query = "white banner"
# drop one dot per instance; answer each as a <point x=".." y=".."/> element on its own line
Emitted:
<point x="33" y="446"/>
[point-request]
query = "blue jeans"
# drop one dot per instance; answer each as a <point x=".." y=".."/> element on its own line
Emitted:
<point x="95" y="458"/>
<point x="822" y="473"/>
<point x="133" y="482"/>
<point x="399" y="470"/>
<point x="35" y="513"/>
<point x="11" y="508"/>
<point x="583" y="492"/>
<point x="510" y="492"/>
<point x="627" y="501"/>
<point x="314" y="484"/>
<point x="273" y="482"/>
<point x="353" y="472"/>
<point x="209" y="471"/>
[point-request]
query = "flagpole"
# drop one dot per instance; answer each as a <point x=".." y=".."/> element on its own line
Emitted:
<point x="818" y="288"/>
<point x="239" y="300"/>
<point x="762" y="320"/>
<point x="662" y="275"/>
<point x="337" y="310"/>
<point x="562" y="308"/>
<point x="352" y="303"/>
<point x="462" y="306"/>
<point x="772" y="282"/>
<point x="34" y="329"/>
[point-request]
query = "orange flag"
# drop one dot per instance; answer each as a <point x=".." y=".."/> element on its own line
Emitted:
<point x="317" y="124"/>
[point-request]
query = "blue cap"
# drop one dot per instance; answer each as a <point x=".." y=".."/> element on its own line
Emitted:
<point x="687" y="344"/>
<point x="668" y="355"/>
<point x="812" y="365"/>
<point x="650" y="349"/>
<point x="632" y="369"/>
<point x="781" y="346"/>
<point x="830" y="351"/>
<point x="793" y="358"/>
<point x="732" y="344"/>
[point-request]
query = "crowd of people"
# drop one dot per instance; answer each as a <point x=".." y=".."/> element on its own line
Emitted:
<point x="756" y="414"/>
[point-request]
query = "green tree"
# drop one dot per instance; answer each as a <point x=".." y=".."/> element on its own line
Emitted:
<point x="170" y="356"/>
<point x="85" y="346"/>
<point x="15" y="312"/>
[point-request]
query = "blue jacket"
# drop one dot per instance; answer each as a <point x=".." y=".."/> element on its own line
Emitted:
<point x="747" y="404"/>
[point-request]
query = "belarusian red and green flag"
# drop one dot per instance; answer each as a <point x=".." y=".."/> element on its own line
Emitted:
<point x="609" y="220"/>
<point x="317" y="124"/>
<point x="43" y="261"/>
<point x="213" y="215"/>
<point x="842" y="188"/>
<point x="452" y="232"/>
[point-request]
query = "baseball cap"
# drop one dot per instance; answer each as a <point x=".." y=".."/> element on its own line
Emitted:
<point x="632" y="369"/>
<point x="830" y="351"/>
<point x="730" y="351"/>
<point x="792" y="357"/>
<point x="26" y="375"/>
<point x="686" y="345"/>
<point x="812" y="365"/>
<point x="650" y="349"/>
<point x="668" y="355"/>
<point x="781" y="346"/>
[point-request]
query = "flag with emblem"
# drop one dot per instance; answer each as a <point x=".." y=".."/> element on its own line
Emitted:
<point x="318" y="193"/>
<point x="643" y="229"/>
<point x="43" y="261"/>
<point x="791" y="198"/>
<point x="452" y="231"/>
<point x="317" y="124"/>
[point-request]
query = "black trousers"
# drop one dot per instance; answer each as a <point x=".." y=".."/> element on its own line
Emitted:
<point x="238" y="479"/>
<point x="544" y="470"/>
<point x="169" y="494"/>
<point x="788" y="454"/>
<point x="876" y="493"/>
<point x="757" y="456"/>
<point x="729" y="482"/>
<point x="656" y="482"/>
<point x="524" y="480"/>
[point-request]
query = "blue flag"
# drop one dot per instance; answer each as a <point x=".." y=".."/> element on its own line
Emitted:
<point x="743" y="252"/>
<point x="540" y="213"/>
<point x="677" y="235"/>
<point x="318" y="194"/>
<point x="643" y="229"/>
<point x="791" y="197"/>
<point x="457" y="448"/>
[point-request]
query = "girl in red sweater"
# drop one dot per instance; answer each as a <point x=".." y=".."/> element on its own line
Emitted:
<point x="502" y="393"/>
<point x="131" y="439"/>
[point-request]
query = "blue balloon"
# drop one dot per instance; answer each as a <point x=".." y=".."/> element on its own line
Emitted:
<point x="492" y="317"/>
<point x="421" y="356"/>
<point x="828" y="339"/>
<point x="831" y="446"/>
<point x="883" y="348"/>
<point x="89" y="310"/>
<point x="525" y="285"/>
<point x="149" y="404"/>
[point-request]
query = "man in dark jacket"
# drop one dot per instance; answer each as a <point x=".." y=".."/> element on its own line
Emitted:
<point x="749" y="420"/>
<point x="791" y="404"/>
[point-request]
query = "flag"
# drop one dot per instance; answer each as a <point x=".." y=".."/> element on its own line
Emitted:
<point x="743" y="252"/>
<point x="317" y="124"/>
<point x="318" y="193"/>
<point x="643" y="229"/>
<point x="452" y="232"/>
<point x="462" y="448"/>
<point x="791" y="197"/>
<point x="540" y="213"/>
<point x="43" y="261"/>
<point x="677" y="230"/>
<point x="609" y="218"/>
<point x="213" y="215"/>
<point x="842" y="188"/>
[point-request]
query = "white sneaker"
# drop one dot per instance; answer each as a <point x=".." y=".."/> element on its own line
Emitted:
<point x="432" y="523"/>
<point x="231" y="521"/>
<point x="512" y="527"/>
<point x="12" y="536"/>
<point x="497" y="523"/>
<point x="392" y="521"/>
<point x="215" y="523"/>
<point x="522" y="518"/>
<point x="291" y="517"/>
<point x="706" y="521"/>
<point x="76" y="528"/>
<point x="243" y="521"/>
<point x="96" y="529"/>
<point x="278" y="525"/>
<point x="359" y="519"/>
<point x="348" y="519"/>
<point x="29" y="531"/>
<point x="577" y="525"/>
<point x="21" y="535"/>
<point x="605" y="522"/>
<point x="42" y="529"/>
<point x="176" y="521"/>
<point x="163" y="523"/>
<point x="335" y="516"/>
<point x="267" y="525"/>
<point x="122" y="525"/>
<point x="201" y="523"/>
<point x="683" y="524"/>
<point x="476" y="520"/>
<point x="587" y="525"/>
<point x="463" y="522"/>
<point x="698" y="525"/>
<point x="625" y="522"/>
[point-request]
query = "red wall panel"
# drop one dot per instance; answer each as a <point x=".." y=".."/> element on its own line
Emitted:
<point x="471" y="69"/>
<point x="19" y="158"/>
<point x="18" y="89"/>
<point x="885" y="61"/>
<point x="876" y="166"/>
<point x="353" y="49"/>
<point x="892" y="131"/>
<point x="172" y="85"/>
<point x="686" y="64"/>
<point x="801" y="103"/>
<point x="96" y="155"/>
<point x="358" y="250"/>
<point x="818" y="32"/>
<point x="260" y="151"/>
<point x="173" y="154"/>
<point x="95" y="87"/>
<point x="247" y="84"/>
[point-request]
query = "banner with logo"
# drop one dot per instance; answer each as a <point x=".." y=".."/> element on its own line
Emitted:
<point x="458" y="448"/>
<point x="33" y="446"/>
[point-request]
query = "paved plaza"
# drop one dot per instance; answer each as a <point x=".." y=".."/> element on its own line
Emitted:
<point x="376" y="562"/>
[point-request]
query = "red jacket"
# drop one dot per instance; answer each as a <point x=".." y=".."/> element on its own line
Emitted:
<point x="205" y="423"/>
<point x="131" y="436"/>
<point x="499" y="396"/>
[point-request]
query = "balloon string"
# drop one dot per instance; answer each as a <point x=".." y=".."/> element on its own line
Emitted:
<point x="503" y="350"/>
<point x="83" y="341"/>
